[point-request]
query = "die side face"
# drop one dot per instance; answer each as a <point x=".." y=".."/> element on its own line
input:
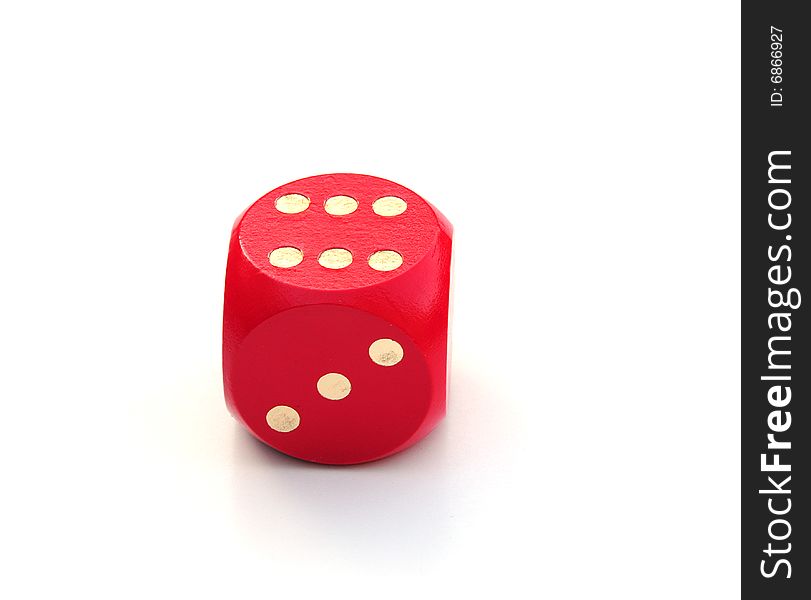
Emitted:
<point x="349" y="401"/>
<point x="335" y="321"/>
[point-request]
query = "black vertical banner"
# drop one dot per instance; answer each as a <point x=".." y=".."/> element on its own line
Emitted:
<point x="776" y="369"/>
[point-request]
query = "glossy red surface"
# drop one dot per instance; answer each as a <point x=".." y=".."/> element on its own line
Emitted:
<point x="283" y="328"/>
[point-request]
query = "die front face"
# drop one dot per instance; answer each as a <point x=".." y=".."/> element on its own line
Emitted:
<point x="336" y="318"/>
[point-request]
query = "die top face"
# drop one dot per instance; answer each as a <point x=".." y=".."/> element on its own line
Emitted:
<point x="340" y="231"/>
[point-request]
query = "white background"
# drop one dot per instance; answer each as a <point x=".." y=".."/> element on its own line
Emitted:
<point x="587" y="154"/>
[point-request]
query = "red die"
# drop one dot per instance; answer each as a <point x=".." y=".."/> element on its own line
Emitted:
<point x="335" y="327"/>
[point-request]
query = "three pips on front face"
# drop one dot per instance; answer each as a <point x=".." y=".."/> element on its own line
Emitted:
<point x="334" y="386"/>
<point x="287" y="257"/>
